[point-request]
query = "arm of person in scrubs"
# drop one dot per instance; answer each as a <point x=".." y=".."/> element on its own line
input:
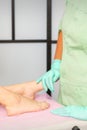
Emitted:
<point x="50" y="77"/>
<point x="59" y="47"/>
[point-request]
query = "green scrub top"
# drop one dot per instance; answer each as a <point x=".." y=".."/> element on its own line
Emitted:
<point x="73" y="70"/>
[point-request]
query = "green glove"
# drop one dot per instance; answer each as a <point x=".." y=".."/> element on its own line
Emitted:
<point x="78" y="112"/>
<point x="51" y="76"/>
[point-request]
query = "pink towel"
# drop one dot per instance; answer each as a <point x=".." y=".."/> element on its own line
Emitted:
<point x="42" y="120"/>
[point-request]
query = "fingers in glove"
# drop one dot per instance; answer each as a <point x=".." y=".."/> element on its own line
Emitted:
<point x="39" y="80"/>
<point x="44" y="84"/>
<point x="49" y="82"/>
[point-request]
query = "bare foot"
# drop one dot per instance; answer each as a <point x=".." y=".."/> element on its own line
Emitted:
<point x="28" y="89"/>
<point x="17" y="104"/>
<point x="26" y="105"/>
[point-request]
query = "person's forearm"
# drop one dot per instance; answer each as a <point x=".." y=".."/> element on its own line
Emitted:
<point x="59" y="47"/>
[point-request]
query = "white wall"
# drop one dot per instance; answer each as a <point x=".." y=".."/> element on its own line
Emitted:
<point x="30" y="19"/>
<point x="26" y="62"/>
<point x="22" y="62"/>
<point x="5" y="19"/>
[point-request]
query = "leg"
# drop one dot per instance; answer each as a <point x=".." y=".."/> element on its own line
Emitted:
<point x="17" y="104"/>
<point x="28" y="89"/>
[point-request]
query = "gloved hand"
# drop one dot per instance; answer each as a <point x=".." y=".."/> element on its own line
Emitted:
<point x="51" y="76"/>
<point x="78" y="112"/>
